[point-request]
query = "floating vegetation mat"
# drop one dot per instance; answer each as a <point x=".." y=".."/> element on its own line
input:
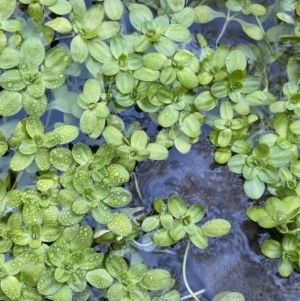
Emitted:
<point x="95" y="94"/>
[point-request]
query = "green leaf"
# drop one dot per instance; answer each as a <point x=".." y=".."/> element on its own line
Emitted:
<point x="67" y="133"/>
<point x="236" y="60"/>
<point x="108" y="29"/>
<point x="168" y="116"/>
<point x="82" y="240"/>
<point x="205" y="101"/>
<point x="52" y="79"/>
<point x="125" y="81"/>
<point x="157" y="151"/>
<point x="47" y="285"/>
<point x="11" y="25"/>
<point x="222" y="155"/>
<point x="120" y="224"/>
<point x="7" y="8"/>
<point x="187" y="78"/>
<point x="251" y="30"/>
<point x="113" y="9"/>
<point x="42" y="158"/>
<point x="177" y="33"/>
<point x="146" y="74"/>
<point x="269" y="174"/>
<point x="156" y="279"/>
<point x="11" y="80"/>
<point x="220" y="89"/>
<point x="63" y="294"/>
<point x="150" y="223"/>
<point x="116" y="175"/>
<point x="138" y="15"/>
<point x="19" y="161"/>
<point x="256" y="212"/>
<point x="9" y="58"/>
<point x="79" y="49"/>
<point x="224" y="137"/>
<point x="154" y="60"/>
<point x="162" y="238"/>
<point x="199" y="239"/>
<point x="216" y="227"/>
<point x="116" y="292"/>
<point x="34" y="106"/>
<point x="229" y="296"/>
<point x="88" y="122"/>
<point x="137" y="272"/>
<point x="139" y="139"/>
<point x="176" y="5"/>
<point x="273" y="206"/>
<point x="285" y="267"/>
<point x="164" y="46"/>
<point x="93" y="18"/>
<point x="204" y="14"/>
<point x="176" y="206"/>
<point x="191" y="126"/>
<point x="61" y="25"/>
<point x="78" y="7"/>
<point x="99" y="278"/>
<point x="61" y="7"/>
<point x="237" y="162"/>
<point x="185" y="16"/>
<point x="196" y="212"/>
<point x="289" y="242"/>
<point x="113" y="136"/>
<point x="10" y="103"/>
<point x="81" y="153"/>
<point x="34" y="49"/>
<point x="177" y="231"/>
<point x="116" y="266"/>
<point x="254" y="188"/>
<point x="166" y="220"/>
<point x="11" y="287"/>
<point x="99" y="50"/>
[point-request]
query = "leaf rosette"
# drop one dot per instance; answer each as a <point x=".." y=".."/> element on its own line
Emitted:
<point x="37" y="143"/>
<point x="155" y="31"/>
<point x="93" y="119"/>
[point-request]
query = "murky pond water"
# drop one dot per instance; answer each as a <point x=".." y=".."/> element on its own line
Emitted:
<point x="233" y="262"/>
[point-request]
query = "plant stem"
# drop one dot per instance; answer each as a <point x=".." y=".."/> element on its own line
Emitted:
<point x="224" y="27"/>
<point x="48" y="119"/>
<point x="19" y="175"/>
<point x="142" y="245"/>
<point x="196" y="293"/>
<point x="136" y="183"/>
<point x="184" y="272"/>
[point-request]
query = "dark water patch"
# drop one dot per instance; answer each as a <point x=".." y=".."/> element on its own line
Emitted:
<point x="233" y="262"/>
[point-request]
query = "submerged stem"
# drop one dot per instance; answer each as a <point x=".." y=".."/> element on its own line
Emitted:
<point x="196" y="293"/>
<point x="142" y="245"/>
<point x="184" y="272"/>
<point x="224" y="27"/>
<point x="136" y="183"/>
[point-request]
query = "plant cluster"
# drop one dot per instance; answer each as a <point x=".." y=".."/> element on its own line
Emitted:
<point x="49" y="221"/>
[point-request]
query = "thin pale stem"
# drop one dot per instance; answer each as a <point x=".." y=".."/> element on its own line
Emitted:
<point x="193" y="295"/>
<point x="224" y="27"/>
<point x="136" y="183"/>
<point x="20" y="174"/>
<point x="48" y="119"/>
<point x="227" y="20"/>
<point x="190" y="296"/>
<point x="142" y="245"/>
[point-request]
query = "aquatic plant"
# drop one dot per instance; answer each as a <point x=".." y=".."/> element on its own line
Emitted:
<point x="88" y="66"/>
